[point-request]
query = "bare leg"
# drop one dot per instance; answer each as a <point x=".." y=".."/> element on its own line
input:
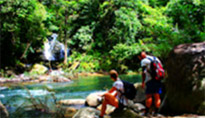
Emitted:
<point x="148" y="103"/>
<point x="157" y="100"/>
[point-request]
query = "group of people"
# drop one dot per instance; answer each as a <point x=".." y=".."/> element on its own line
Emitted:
<point x="152" y="86"/>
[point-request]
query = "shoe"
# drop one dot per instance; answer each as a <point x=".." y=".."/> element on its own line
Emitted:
<point x="158" y="115"/>
<point x="146" y="113"/>
<point x="96" y="116"/>
<point x="100" y="100"/>
<point x="156" y="112"/>
<point x="100" y="116"/>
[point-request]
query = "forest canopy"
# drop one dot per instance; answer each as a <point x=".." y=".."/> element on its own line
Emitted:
<point x="102" y="34"/>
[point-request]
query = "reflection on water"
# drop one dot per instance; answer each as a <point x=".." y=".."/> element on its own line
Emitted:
<point x="80" y="88"/>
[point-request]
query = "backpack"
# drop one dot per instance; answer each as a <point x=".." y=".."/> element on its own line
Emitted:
<point x="129" y="90"/>
<point x="156" y="70"/>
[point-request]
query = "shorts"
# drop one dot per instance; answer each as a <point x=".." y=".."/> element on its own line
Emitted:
<point x="153" y="86"/>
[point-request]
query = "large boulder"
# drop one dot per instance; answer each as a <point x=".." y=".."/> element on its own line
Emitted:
<point x="185" y="84"/>
<point x="3" y="111"/>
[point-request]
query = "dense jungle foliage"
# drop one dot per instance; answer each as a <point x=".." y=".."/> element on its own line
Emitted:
<point x="102" y="34"/>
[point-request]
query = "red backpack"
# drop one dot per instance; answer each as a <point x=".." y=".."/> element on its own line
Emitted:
<point x="156" y="69"/>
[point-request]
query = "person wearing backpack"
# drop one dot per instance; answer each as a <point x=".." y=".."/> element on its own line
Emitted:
<point x="152" y="73"/>
<point x="119" y="94"/>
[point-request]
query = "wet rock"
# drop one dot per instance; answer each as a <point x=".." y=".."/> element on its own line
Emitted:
<point x="185" y="84"/>
<point x="39" y="69"/>
<point x="189" y="116"/>
<point x="44" y="78"/>
<point x="35" y="81"/>
<point x="138" y="107"/>
<point x="60" y="79"/>
<point x="3" y="111"/>
<point x="10" y="73"/>
<point x="92" y="74"/>
<point x="109" y="109"/>
<point x="140" y="95"/>
<point x="56" y="73"/>
<point x="72" y="102"/>
<point x="71" y="109"/>
<point x="69" y="112"/>
<point x="25" y="79"/>
<point x="2" y="80"/>
<point x="92" y="99"/>
<point x="125" y="113"/>
<point x="87" y="112"/>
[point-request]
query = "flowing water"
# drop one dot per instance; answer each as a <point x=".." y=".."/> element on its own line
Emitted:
<point x="53" y="49"/>
<point x="16" y="96"/>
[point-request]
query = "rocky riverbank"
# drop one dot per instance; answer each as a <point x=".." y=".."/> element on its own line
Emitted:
<point x="90" y="108"/>
<point x="34" y="79"/>
<point x="41" y="74"/>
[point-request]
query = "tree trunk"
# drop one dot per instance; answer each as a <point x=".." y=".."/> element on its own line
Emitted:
<point x="27" y="46"/>
<point x="65" y="34"/>
<point x="65" y="55"/>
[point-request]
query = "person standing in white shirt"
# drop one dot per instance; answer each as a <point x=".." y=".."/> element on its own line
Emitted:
<point x="153" y="87"/>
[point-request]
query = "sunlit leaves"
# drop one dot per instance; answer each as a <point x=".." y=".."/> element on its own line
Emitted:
<point x="126" y="25"/>
<point x="39" y="12"/>
<point x="117" y="29"/>
<point x="189" y="16"/>
<point x="83" y="38"/>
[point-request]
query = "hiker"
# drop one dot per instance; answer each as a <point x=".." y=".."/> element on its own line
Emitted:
<point x="119" y="99"/>
<point x="151" y="80"/>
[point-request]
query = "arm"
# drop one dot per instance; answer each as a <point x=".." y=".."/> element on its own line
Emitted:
<point x="112" y="90"/>
<point x="143" y="76"/>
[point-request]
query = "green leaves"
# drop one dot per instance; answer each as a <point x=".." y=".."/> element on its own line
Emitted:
<point x="39" y="13"/>
<point x="113" y="30"/>
<point x="189" y="17"/>
<point x="22" y="25"/>
<point x="123" y="54"/>
<point x="126" y="26"/>
<point x="83" y="38"/>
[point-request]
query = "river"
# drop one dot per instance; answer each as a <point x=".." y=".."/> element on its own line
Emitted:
<point x="16" y="96"/>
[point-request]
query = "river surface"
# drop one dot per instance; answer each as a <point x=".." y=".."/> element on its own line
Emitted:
<point x="16" y="96"/>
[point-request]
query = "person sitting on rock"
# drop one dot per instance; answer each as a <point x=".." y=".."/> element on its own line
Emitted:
<point x="153" y="86"/>
<point x="114" y="96"/>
